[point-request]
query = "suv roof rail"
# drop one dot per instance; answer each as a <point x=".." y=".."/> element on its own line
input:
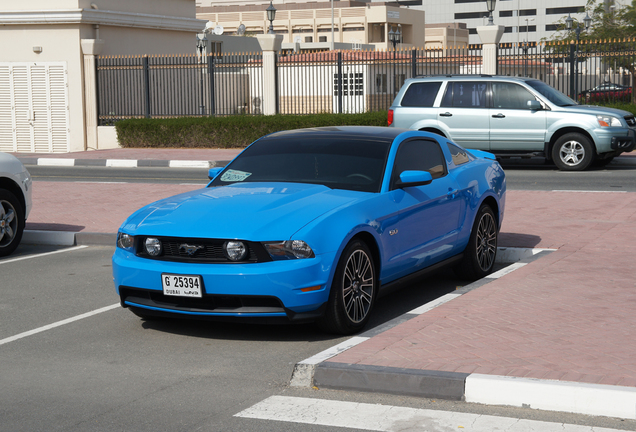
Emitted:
<point x="455" y="75"/>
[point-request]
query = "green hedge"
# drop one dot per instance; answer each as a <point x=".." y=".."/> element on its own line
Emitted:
<point x="227" y="132"/>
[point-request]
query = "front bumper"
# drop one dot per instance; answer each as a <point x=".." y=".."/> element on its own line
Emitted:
<point x="240" y="291"/>
<point x="624" y="143"/>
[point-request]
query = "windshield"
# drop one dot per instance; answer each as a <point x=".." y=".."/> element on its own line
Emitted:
<point x="551" y="94"/>
<point x="338" y="162"/>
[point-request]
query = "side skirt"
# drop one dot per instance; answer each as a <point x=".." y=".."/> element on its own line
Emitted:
<point x="405" y="280"/>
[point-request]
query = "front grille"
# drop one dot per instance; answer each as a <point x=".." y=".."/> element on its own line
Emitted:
<point x="207" y="251"/>
<point x="631" y="121"/>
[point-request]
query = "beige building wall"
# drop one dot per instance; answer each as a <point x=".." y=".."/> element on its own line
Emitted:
<point x="38" y="32"/>
<point x="367" y="24"/>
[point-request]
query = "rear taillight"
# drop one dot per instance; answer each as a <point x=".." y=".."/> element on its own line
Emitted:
<point x="390" y="117"/>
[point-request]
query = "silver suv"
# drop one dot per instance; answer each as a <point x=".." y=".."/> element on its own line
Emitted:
<point x="511" y="116"/>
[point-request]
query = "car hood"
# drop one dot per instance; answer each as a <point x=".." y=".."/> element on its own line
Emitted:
<point x="249" y="211"/>
<point x="595" y="110"/>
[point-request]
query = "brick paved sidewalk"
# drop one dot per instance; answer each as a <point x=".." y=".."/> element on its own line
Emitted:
<point x="570" y="316"/>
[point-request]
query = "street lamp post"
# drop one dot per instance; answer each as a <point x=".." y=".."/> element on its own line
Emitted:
<point x="201" y="46"/>
<point x="490" y="5"/>
<point x="569" y="23"/>
<point x="394" y="38"/>
<point x="271" y="15"/>
<point x="526" y="46"/>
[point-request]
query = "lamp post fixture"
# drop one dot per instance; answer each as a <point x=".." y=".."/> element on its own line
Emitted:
<point x="490" y="5"/>
<point x="271" y="15"/>
<point x="569" y="23"/>
<point x="201" y="46"/>
<point x="395" y="37"/>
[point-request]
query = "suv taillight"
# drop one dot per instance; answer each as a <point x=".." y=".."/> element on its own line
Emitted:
<point x="390" y="117"/>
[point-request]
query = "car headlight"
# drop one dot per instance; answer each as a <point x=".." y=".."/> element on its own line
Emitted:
<point x="125" y="241"/>
<point x="608" y="121"/>
<point x="153" y="246"/>
<point x="290" y="249"/>
<point x="235" y="250"/>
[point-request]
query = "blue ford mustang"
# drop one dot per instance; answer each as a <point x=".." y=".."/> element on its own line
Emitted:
<point x="310" y="224"/>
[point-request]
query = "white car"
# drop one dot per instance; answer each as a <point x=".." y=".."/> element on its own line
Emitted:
<point x="15" y="202"/>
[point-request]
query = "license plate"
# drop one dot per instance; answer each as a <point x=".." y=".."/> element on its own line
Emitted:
<point x="182" y="285"/>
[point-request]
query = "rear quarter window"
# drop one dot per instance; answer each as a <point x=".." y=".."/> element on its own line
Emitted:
<point x="421" y="94"/>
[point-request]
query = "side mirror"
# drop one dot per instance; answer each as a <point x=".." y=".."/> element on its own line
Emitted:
<point x="534" y="105"/>
<point x="414" y="178"/>
<point x="214" y="172"/>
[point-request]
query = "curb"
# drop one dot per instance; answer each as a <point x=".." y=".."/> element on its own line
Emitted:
<point x="122" y="163"/>
<point x="68" y="238"/>
<point x="550" y="395"/>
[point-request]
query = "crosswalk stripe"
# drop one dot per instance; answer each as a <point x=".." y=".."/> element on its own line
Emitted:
<point x="386" y="418"/>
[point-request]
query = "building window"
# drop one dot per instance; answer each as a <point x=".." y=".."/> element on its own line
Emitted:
<point x="327" y="30"/>
<point x="472" y="31"/>
<point x="467" y="15"/>
<point x="564" y="10"/>
<point x="348" y="29"/>
<point x="322" y="38"/>
<point x="524" y="29"/>
<point x="505" y="14"/>
<point x="309" y="38"/>
<point x="468" y="1"/>
<point x="551" y="27"/>
<point x="509" y="30"/>
<point x="527" y="12"/>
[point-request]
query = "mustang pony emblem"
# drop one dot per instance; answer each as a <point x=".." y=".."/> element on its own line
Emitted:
<point x="190" y="249"/>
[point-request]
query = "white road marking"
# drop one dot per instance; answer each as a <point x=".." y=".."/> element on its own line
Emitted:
<point x="42" y="254"/>
<point x="504" y="271"/>
<point x="58" y="324"/>
<point x="375" y="417"/>
<point x="584" y="191"/>
<point x="188" y="164"/>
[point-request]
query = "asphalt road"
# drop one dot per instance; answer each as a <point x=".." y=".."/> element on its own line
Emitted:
<point x="522" y="174"/>
<point x="74" y="360"/>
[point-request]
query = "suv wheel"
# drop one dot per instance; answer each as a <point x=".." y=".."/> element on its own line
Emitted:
<point x="572" y="152"/>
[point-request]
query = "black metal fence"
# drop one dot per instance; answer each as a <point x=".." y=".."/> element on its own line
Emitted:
<point x="588" y="71"/>
<point x="342" y="81"/>
<point x="177" y="86"/>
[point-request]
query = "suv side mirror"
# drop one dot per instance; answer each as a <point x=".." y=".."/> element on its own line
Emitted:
<point x="534" y="105"/>
<point x="414" y="178"/>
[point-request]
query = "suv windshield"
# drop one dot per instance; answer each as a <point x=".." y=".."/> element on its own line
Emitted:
<point x="551" y="94"/>
<point x="338" y="162"/>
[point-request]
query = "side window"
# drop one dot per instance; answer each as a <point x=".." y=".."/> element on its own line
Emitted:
<point x="421" y="94"/>
<point x="419" y="155"/>
<point x="465" y="94"/>
<point x="458" y="154"/>
<point x="510" y="96"/>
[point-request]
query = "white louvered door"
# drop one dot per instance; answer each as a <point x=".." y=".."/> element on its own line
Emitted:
<point x="34" y="112"/>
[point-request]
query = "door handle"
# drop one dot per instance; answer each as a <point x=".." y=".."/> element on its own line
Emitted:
<point x="446" y="114"/>
<point x="498" y="116"/>
<point x="452" y="193"/>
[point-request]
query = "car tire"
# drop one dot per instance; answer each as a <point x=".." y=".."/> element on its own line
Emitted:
<point x="481" y="251"/>
<point x="353" y="291"/>
<point x="11" y="222"/>
<point x="573" y="152"/>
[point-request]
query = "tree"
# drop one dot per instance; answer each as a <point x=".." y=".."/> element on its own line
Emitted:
<point x="611" y="29"/>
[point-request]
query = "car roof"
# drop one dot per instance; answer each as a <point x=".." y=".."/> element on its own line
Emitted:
<point x="355" y="132"/>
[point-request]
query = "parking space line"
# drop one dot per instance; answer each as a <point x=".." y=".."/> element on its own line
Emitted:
<point x="42" y="254"/>
<point x="58" y="324"/>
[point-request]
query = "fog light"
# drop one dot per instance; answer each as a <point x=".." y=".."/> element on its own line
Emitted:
<point x="235" y="250"/>
<point x="153" y="246"/>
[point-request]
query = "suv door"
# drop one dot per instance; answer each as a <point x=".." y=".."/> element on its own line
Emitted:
<point x="513" y="125"/>
<point x="463" y="110"/>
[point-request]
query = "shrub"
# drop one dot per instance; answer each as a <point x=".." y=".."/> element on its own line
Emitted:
<point x="227" y="132"/>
